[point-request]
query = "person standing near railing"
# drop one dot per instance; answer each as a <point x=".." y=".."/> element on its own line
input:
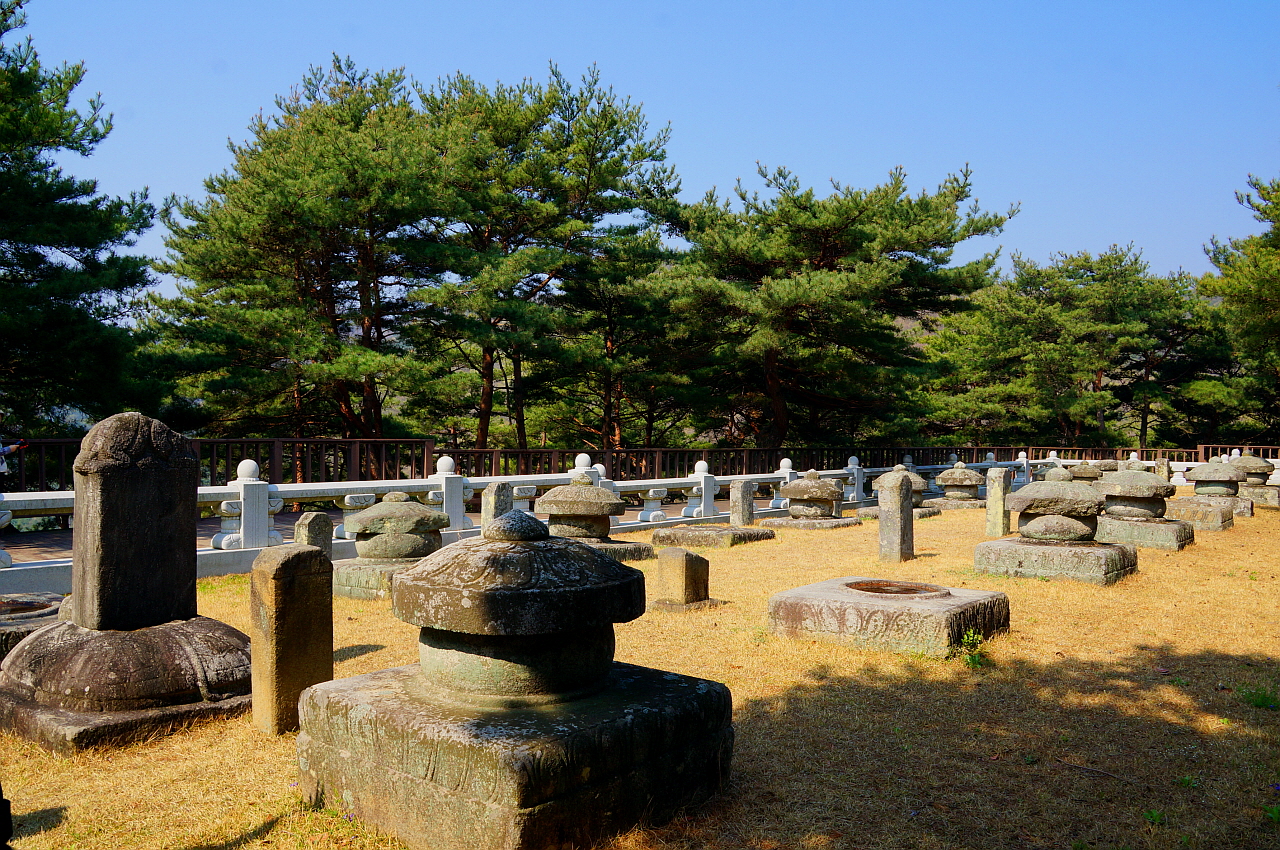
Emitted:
<point x="8" y="450"/>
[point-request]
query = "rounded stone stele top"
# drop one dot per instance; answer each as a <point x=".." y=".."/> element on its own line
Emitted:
<point x="580" y="497"/>
<point x="1056" y="494"/>
<point x="516" y="579"/>
<point x="918" y="484"/>
<point x="1136" y="485"/>
<point x="960" y="476"/>
<point x="1214" y="470"/>
<point x="131" y="440"/>
<point x="812" y="488"/>
<point x="396" y="518"/>
<point x="1252" y="465"/>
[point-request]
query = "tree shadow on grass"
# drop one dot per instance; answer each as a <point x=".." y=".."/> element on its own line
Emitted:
<point x="346" y="653"/>
<point x="41" y="820"/>
<point x="243" y="839"/>
<point x="1154" y="750"/>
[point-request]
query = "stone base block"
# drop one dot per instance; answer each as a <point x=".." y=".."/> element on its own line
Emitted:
<point x="439" y="775"/>
<point x="1201" y="515"/>
<point x="814" y="524"/>
<point x="1169" y="534"/>
<point x="23" y="613"/>
<point x="709" y="536"/>
<point x="932" y="623"/>
<point x="918" y="513"/>
<point x="367" y="578"/>
<point x="956" y="504"/>
<point x="1096" y="563"/>
<point x="1262" y="495"/>
<point x="621" y="550"/>
<point x="672" y="607"/>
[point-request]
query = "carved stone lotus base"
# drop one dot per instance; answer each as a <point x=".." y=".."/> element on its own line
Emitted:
<point x="444" y="775"/>
<point x="1202" y="515"/>
<point x="1096" y="563"/>
<point x="1262" y="495"/>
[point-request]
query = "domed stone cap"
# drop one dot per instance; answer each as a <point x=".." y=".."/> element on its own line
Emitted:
<point x="1137" y="485"/>
<point x="131" y="440"/>
<point x="1085" y="472"/>
<point x="1056" y="494"/>
<point x="918" y="484"/>
<point x="65" y="666"/>
<point x="1215" y="470"/>
<point x="580" y="498"/>
<point x="1107" y="465"/>
<point x="517" y="580"/>
<point x="396" y="518"/>
<point x="960" y="476"/>
<point x="812" y="488"/>
<point x="1251" y="464"/>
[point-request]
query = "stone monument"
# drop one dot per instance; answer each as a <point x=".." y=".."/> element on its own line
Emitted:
<point x="1085" y="473"/>
<point x="314" y="528"/>
<point x="897" y="520"/>
<point x="1134" y="511"/>
<point x="393" y="534"/>
<point x="813" y="502"/>
<point x="739" y="530"/>
<point x="918" y="488"/>
<point x="516" y="729"/>
<point x="683" y="581"/>
<point x="1218" y="484"/>
<point x="1057" y="518"/>
<point x="580" y="510"/>
<point x="959" y="489"/>
<point x="1257" y="471"/>
<point x="134" y="660"/>
<point x="999" y="485"/>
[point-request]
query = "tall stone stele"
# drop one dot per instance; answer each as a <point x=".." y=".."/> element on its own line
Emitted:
<point x="813" y="502"/>
<point x="134" y="660"/>
<point x="1134" y="511"/>
<point x="516" y="729"/>
<point x="1057" y="521"/>
<point x="580" y="510"/>
<point x="1257" y="471"/>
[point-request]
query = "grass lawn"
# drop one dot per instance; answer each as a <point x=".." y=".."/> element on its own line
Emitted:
<point x="1142" y="715"/>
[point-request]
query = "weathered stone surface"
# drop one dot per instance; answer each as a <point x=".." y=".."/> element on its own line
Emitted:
<point x="1057" y="494"/>
<point x="948" y="504"/>
<point x="913" y="617"/>
<point x="1133" y="484"/>
<point x="579" y="526"/>
<point x="496" y="500"/>
<point x="802" y="509"/>
<point x="621" y="550"/>
<point x="396" y="518"/>
<point x="918" y="485"/>
<point x="1133" y="507"/>
<point x="1215" y="478"/>
<point x="1170" y="534"/>
<point x="1262" y="496"/>
<point x="742" y="506"/>
<point x="1085" y="472"/>
<point x="23" y="613"/>
<point x="134" y="547"/>
<point x="1096" y="563"/>
<point x="580" y="498"/>
<point x="1107" y="465"/>
<point x="1055" y="527"/>
<point x="1256" y="470"/>
<point x="394" y="545"/>
<point x="960" y="483"/>
<point x="314" y="528"/>
<point x="709" y="536"/>
<point x="1200" y="515"/>
<point x="999" y="484"/>
<point x="291" y="631"/>
<point x="1236" y="504"/>
<point x="354" y="578"/>
<point x="682" y="577"/>
<point x="1164" y="468"/>
<point x="811" y="487"/>
<point x="813" y="524"/>
<point x="897" y="520"/>
<point x="441" y="776"/>
<point x="873" y="512"/>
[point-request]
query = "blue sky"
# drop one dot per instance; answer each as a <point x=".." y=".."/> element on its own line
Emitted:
<point x="1108" y="122"/>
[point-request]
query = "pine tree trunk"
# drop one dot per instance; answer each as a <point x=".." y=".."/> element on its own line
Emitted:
<point x="777" y="404"/>
<point x="486" y="398"/>
<point x="517" y="401"/>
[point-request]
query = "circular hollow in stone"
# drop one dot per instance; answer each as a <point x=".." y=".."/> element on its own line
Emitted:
<point x="899" y="589"/>
<point x="16" y="606"/>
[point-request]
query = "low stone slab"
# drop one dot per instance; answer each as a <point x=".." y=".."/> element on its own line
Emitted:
<point x="443" y="776"/>
<point x="620" y="550"/>
<point x="1201" y="515"/>
<point x="1170" y="534"/>
<point x="1262" y="496"/>
<point x="918" y="513"/>
<point x="366" y="578"/>
<point x="23" y="613"/>
<point x="893" y="616"/>
<point x="814" y="524"/>
<point x="1096" y="563"/>
<point x="956" y="504"/>
<point x="709" y="536"/>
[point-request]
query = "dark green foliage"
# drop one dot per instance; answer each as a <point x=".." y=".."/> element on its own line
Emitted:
<point x="64" y="289"/>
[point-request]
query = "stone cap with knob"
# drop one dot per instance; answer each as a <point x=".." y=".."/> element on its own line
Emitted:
<point x="391" y="517"/>
<point x="1085" y="472"/>
<point x="960" y="476"/>
<point x="516" y="579"/>
<point x="1251" y="464"/>
<point x="132" y="441"/>
<point x="580" y="497"/>
<point x="1134" y="484"/>
<point x="811" y="487"/>
<point x="1056" y="494"/>
<point x="1215" y="470"/>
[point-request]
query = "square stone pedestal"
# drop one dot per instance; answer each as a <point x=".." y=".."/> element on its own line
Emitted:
<point x="1171" y="534"/>
<point x="357" y="578"/>
<point x="440" y="775"/>
<point x="813" y="524"/>
<point x="944" y="504"/>
<point x="928" y="623"/>
<point x="1201" y="515"/>
<point x="1096" y="563"/>
<point x="1262" y="495"/>
<point x="710" y="536"/>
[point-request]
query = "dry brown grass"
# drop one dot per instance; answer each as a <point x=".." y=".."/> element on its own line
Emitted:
<point x="1101" y="704"/>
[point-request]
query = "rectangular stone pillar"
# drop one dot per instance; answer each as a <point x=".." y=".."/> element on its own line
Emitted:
<point x="999" y="483"/>
<point x="683" y="577"/>
<point x="497" y="499"/>
<point x="897" y="531"/>
<point x="315" y="529"/>
<point x="1163" y="469"/>
<point x="742" y="507"/>
<point x="290" y="630"/>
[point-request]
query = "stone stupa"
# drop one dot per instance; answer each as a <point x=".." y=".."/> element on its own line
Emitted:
<point x="391" y="535"/>
<point x="1257" y="472"/>
<point x="1134" y="511"/>
<point x="813" y="503"/>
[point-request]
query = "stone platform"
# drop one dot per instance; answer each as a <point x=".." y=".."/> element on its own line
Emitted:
<point x="23" y="613"/>
<point x="909" y="617"/>
<point x="620" y="550"/>
<point x="917" y="513"/>
<point x="366" y="578"/>
<point x="1262" y="496"/>
<point x="813" y="524"/>
<point x="442" y="775"/>
<point x="1174" y="535"/>
<point x="1202" y="516"/>
<point x="1096" y="563"/>
<point x="956" y="504"/>
<point x="710" y="536"/>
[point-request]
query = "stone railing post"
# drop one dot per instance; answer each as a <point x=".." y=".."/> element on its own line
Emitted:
<point x="786" y="475"/>
<point x="352" y="503"/>
<point x="523" y="497"/>
<point x="652" y="510"/>
<point x="1026" y="467"/>
<point x="248" y="522"/>
<point x="854" y="484"/>
<point x="453" y="494"/>
<point x="707" y="484"/>
<point x="6" y="560"/>
<point x="608" y="484"/>
<point x="582" y="463"/>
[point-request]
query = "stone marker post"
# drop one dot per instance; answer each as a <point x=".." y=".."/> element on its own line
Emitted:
<point x="897" y="533"/>
<point x="742" y="507"/>
<point x="291" y="631"/>
<point x="134" y="550"/>
<point x="497" y="499"/>
<point x="315" y="529"/>
<point x="683" y="577"/>
<point x="1163" y="469"/>
<point x="999" y="482"/>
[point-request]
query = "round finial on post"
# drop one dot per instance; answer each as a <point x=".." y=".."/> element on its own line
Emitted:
<point x="785" y="463"/>
<point x="853" y="461"/>
<point x="1235" y="453"/>
<point x="1022" y="455"/>
<point x="599" y="467"/>
<point x="991" y="457"/>
<point x="908" y="460"/>
<point x="446" y="465"/>
<point x="702" y="468"/>
<point x="247" y="470"/>
<point x="953" y="457"/>
<point x="582" y="461"/>
<point x="1054" y="454"/>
